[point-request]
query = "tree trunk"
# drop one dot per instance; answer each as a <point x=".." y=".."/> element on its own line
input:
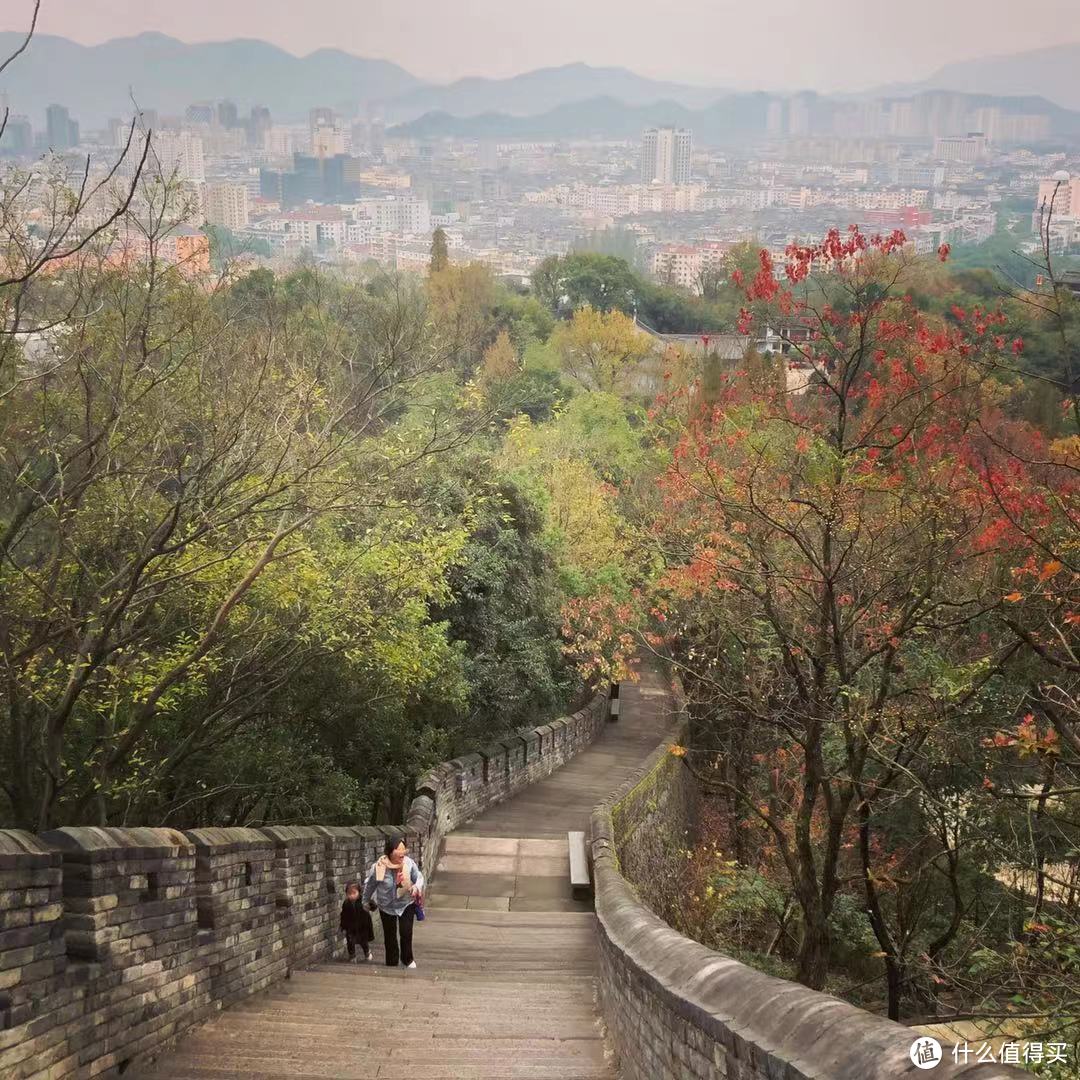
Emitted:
<point x="814" y="952"/>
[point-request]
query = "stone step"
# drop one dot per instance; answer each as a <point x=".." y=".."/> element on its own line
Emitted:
<point x="438" y="1070"/>
<point x="461" y="844"/>
<point x="446" y="901"/>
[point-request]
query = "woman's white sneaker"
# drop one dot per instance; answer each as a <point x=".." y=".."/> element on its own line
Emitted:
<point x="412" y="965"/>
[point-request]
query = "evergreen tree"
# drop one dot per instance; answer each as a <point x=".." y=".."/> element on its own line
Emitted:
<point x="440" y="253"/>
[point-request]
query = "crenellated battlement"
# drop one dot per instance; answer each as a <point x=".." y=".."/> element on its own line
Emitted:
<point x="115" y="941"/>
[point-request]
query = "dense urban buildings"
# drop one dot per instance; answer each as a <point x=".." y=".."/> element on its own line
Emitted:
<point x="340" y="185"/>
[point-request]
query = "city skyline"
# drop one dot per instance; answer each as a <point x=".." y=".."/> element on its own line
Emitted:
<point x="829" y="45"/>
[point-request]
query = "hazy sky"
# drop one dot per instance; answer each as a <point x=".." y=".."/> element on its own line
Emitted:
<point x="820" y="44"/>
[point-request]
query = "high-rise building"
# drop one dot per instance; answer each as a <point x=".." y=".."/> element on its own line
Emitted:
<point x="1062" y="192"/>
<point x="61" y="131"/>
<point x="327" y="141"/>
<point x="202" y="112"/>
<point x="666" y="155"/>
<point x="376" y="134"/>
<point x="1004" y="127"/>
<point x="228" y="115"/>
<point x="18" y="137"/>
<point x="226" y="205"/>
<point x="774" y="118"/>
<point x="321" y="116"/>
<point x="800" y="114"/>
<point x="258" y="126"/>
<point x="279" y="142"/>
<point x="147" y="120"/>
<point x="179" y="154"/>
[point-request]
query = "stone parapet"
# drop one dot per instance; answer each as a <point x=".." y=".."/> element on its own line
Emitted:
<point x="676" y="1010"/>
<point x="115" y="941"/>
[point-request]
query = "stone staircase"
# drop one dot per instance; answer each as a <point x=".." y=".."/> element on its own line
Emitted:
<point x="505" y="986"/>
<point x="500" y="993"/>
<point x="497" y="873"/>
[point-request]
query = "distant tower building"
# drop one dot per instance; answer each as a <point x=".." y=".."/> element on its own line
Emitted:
<point x="227" y="115"/>
<point x="226" y="204"/>
<point x="666" y="155"/>
<point x="323" y="116"/>
<point x="147" y="120"/>
<point x="327" y="141"/>
<point x="61" y="131"/>
<point x="358" y="137"/>
<point x="18" y="137"/>
<point x="377" y="135"/>
<point x="258" y="125"/>
<point x="202" y="112"/>
<point x="800" y="115"/>
<point x="774" y="119"/>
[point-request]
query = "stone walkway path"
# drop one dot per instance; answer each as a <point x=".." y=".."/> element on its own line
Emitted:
<point x="505" y="984"/>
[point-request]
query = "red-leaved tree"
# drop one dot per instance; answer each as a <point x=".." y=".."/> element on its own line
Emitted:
<point x="839" y="547"/>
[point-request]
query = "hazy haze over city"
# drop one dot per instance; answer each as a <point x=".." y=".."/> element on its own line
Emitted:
<point x="828" y="45"/>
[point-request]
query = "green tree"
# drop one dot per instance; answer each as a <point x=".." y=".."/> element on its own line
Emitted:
<point x="440" y="252"/>
<point x="602" y="350"/>
<point x="603" y="282"/>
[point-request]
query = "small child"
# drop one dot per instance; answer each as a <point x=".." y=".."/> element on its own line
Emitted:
<point x="356" y="922"/>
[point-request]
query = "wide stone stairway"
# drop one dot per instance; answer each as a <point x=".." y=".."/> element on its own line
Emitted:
<point x="505" y="979"/>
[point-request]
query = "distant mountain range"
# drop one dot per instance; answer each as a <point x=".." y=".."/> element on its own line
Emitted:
<point x="1052" y="73"/>
<point x="730" y="119"/>
<point x="548" y="88"/>
<point x="736" y="114"/>
<point x="160" y="72"/>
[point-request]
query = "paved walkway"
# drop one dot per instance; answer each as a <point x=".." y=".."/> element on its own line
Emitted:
<point x="505" y="985"/>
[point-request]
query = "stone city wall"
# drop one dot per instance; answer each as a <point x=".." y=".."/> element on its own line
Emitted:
<point x="114" y="941"/>
<point x="676" y="1010"/>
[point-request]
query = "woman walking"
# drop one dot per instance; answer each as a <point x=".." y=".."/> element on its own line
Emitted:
<point x="395" y="884"/>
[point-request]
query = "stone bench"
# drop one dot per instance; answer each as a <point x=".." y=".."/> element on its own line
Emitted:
<point x="580" y="883"/>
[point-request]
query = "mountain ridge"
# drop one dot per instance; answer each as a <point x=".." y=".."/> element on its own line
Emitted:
<point x="730" y="117"/>
<point x="163" y="73"/>
<point x="1049" y="72"/>
<point x="531" y="92"/>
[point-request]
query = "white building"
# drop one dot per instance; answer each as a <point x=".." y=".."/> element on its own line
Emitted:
<point x="312" y="230"/>
<point x="177" y="154"/>
<point x="666" y="155"/>
<point x="1063" y="191"/>
<point x="964" y="148"/>
<point x="401" y="214"/>
<point x="683" y="264"/>
<point x="226" y="205"/>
